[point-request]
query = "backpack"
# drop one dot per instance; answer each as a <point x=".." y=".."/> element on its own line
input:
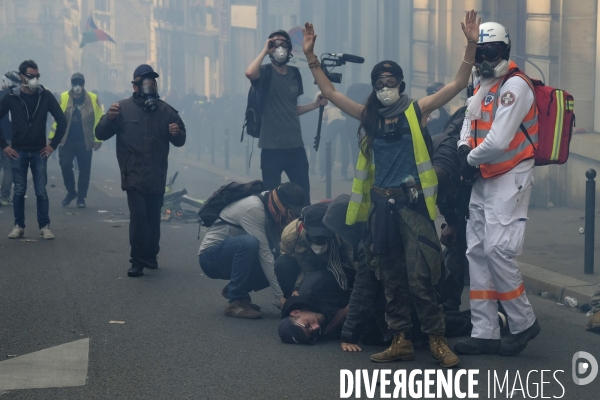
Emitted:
<point x="256" y="102"/>
<point x="556" y="120"/>
<point x="225" y="195"/>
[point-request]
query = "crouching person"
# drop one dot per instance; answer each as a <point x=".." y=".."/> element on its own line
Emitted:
<point x="240" y="246"/>
<point x="307" y="245"/>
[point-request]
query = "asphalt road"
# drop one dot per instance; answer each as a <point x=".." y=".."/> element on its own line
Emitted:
<point x="176" y="343"/>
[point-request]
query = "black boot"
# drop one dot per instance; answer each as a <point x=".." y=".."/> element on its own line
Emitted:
<point x="68" y="198"/>
<point x="514" y="344"/>
<point x="135" y="271"/>
<point x="475" y="346"/>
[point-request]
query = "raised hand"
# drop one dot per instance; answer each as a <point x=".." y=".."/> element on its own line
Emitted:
<point x="309" y="38"/>
<point x="471" y="26"/>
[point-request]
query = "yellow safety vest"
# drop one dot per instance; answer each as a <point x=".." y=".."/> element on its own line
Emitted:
<point x="360" y="199"/>
<point x="64" y="101"/>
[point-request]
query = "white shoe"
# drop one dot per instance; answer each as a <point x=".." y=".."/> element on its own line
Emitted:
<point x="46" y="233"/>
<point x="17" y="232"/>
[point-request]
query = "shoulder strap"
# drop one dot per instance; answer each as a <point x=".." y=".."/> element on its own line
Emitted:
<point x="520" y="74"/>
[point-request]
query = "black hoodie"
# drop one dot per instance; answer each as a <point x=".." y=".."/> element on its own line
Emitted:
<point x="29" y="126"/>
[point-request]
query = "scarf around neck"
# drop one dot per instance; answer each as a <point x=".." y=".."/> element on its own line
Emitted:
<point x="394" y="110"/>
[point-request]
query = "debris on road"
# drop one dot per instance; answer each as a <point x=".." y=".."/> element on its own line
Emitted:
<point x="117" y="322"/>
<point x="570" y="301"/>
<point x="581" y="230"/>
<point x="28" y="240"/>
<point x="102" y="211"/>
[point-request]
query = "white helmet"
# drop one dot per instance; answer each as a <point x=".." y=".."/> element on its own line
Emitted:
<point x="493" y="32"/>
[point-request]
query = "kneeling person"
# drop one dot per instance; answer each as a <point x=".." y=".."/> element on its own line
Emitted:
<point x="239" y="246"/>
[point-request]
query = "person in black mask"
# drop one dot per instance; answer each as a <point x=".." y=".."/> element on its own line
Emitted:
<point x="137" y="121"/>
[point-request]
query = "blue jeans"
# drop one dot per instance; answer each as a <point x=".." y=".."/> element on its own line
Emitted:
<point x="235" y="259"/>
<point x="20" y="166"/>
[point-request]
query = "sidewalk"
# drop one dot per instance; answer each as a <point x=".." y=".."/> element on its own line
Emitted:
<point x="553" y="254"/>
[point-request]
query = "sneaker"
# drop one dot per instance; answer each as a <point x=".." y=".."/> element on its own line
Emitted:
<point x="16" y="233"/>
<point x="241" y="309"/>
<point x="516" y="343"/>
<point x="135" y="271"/>
<point x="80" y="203"/>
<point x="441" y="352"/>
<point x="68" y="199"/>
<point x="6" y="202"/>
<point x="593" y="324"/>
<point x="475" y="346"/>
<point x="46" y="233"/>
<point x="247" y="299"/>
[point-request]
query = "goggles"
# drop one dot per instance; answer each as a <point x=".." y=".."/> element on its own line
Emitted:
<point x="388" y="82"/>
<point x="31" y="76"/>
<point x="279" y="42"/>
<point x="75" y="82"/>
<point x="318" y="240"/>
<point x="489" y="52"/>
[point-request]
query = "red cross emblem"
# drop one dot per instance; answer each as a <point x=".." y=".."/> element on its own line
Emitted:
<point x="507" y="99"/>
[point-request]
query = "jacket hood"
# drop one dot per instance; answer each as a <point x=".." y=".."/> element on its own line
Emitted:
<point x="17" y="89"/>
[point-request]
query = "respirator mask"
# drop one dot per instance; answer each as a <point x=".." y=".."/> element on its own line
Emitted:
<point x="489" y="60"/>
<point x="147" y="89"/>
<point x="281" y="54"/>
<point x="33" y="81"/>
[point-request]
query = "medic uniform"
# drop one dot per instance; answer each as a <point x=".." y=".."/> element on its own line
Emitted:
<point x="498" y="207"/>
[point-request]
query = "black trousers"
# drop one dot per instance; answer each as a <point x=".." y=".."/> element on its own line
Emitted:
<point x="291" y="161"/>
<point x="144" y="227"/>
<point x="287" y="270"/>
<point x="66" y="155"/>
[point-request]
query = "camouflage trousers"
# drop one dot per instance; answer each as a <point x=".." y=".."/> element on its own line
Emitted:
<point x="409" y="269"/>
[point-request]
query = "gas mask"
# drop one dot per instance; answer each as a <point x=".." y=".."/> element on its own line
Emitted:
<point x="492" y="69"/>
<point x="147" y="89"/>
<point x="33" y="83"/>
<point x="388" y="96"/>
<point x="318" y="250"/>
<point x="77" y="89"/>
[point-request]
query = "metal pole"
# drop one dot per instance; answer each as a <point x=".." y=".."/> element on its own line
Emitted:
<point x="247" y="150"/>
<point x="328" y="169"/>
<point x="226" y="148"/>
<point x="590" y="214"/>
<point x="212" y="145"/>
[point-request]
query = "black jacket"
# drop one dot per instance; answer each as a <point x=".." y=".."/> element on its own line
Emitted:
<point x="5" y="121"/>
<point x="142" y="143"/>
<point x="31" y="135"/>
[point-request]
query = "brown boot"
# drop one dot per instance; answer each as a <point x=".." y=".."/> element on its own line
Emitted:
<point x="593" y="324"/>
<point x="241" y="309"/>
<point x="401" y="349"/>
<point x="440" y="350"/>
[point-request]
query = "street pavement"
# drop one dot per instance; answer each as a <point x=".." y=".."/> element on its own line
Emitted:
<point x="173" y="341"/>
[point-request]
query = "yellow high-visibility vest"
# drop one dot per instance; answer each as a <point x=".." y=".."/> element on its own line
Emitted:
<point x="360" y="198"/>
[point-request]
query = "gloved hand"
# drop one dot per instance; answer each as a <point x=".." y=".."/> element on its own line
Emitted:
<point x="468" y="172"/>
<point x="462" y="153"/>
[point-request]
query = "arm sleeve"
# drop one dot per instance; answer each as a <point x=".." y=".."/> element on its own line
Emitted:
<point x="253" y="222"/>
<point x="107" y="128"/>
<point x="59" y="117"/>
<point x="4" y="108"/>
<point x="506" y="122"/>
<point x="178" y="140"/>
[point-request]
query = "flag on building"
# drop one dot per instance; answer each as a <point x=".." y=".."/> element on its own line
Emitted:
<point x="93" y="34"/>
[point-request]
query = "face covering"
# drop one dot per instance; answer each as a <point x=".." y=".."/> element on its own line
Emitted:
<point x="388" y="96"/>
<point x="318" y="250"/>
<point x="488" y="69"/>
<point x="280" y="55"/>
<point x="77" y="89"/>
<point x="148" y="90"/>
<point x="33" y="83"/>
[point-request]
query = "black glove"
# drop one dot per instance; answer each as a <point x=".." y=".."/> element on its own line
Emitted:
<point x="462" y="153"/>
<point x="468" y="172"/>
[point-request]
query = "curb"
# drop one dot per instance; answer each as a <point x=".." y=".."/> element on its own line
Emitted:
<point x="536" y="279"/>
<point x="558" y="286"/>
